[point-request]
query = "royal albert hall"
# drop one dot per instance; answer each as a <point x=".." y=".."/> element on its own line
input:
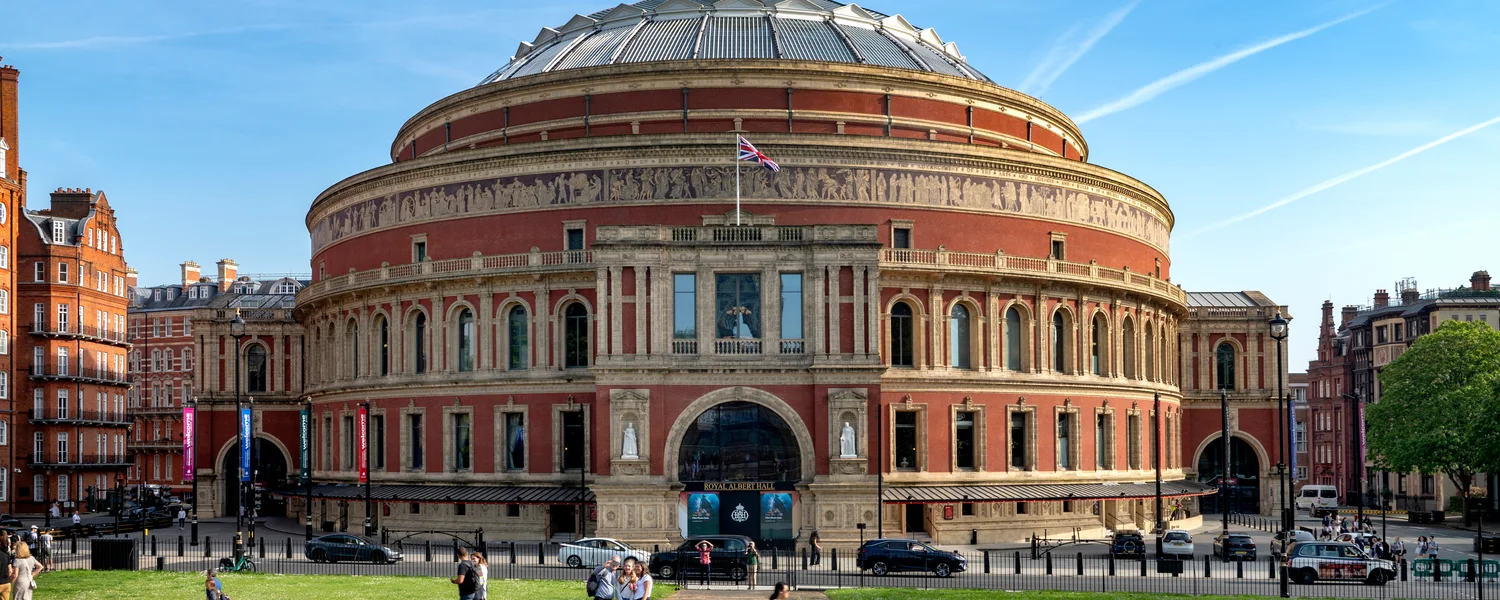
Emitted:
<point x="936" y="318"/>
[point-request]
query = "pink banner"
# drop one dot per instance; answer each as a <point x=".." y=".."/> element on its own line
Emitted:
<point x="364" y="467"/>
<point x="189" y="422"/>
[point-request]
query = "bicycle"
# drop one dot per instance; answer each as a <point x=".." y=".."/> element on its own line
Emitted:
<point x="243" y="564"/>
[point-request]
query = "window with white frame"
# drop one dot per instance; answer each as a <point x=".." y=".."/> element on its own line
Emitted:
<point x="62" y="447"/>
<point x="39" y="271"/>
<point x="38" y="488"/>
<point x="4" y="434"/>
<point x="62" y="272"/>
<point x="4" y="342"/>
<point x="62" y="488"/>
<point x="4" y="385"/>
<point x="4" y="302"/>
<point x="4" y="257"/>
<point x="59" y="231"/>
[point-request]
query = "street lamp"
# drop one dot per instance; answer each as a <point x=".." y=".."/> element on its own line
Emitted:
<point x="237" y="331"/>
<point x="583" y="465"/>
<point x="1278" y="333"/>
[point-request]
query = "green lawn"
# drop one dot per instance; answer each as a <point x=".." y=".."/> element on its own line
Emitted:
<point x="906" y="594"/>
<point x="99" y="585"/>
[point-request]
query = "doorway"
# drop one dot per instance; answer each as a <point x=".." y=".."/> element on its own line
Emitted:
<point x="562" y="519"/>
<point x="1242" y="494"/>
<point x="916" y="515"/>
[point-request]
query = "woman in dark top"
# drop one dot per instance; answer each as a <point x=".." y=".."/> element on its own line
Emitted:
<point x="817" y="548"/>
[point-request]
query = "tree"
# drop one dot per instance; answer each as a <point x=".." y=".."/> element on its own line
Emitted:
<point x="1440" y="407"/>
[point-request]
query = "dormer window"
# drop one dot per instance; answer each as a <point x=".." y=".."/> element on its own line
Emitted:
<point x="58" y="233"/>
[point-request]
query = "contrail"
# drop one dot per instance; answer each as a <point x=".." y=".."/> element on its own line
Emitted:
<point x="111" y="41"/>
<point x="1064" y="53"/>
<point x="1347" y="177"/>
<point x="1161" y="86"/>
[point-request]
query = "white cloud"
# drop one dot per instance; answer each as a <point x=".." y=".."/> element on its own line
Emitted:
<point x="1067" y="50"/>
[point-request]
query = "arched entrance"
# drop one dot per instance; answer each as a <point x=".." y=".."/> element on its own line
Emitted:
<point x="270" y="473"/>
<point x="740" y="454"/>
<point x="1244" y="477"/>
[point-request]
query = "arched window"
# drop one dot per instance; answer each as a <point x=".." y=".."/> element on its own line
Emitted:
<point x="383" y="344"/>
<point x="465" y="340"/>
<point x="351" y="341"/>
<point x="255" y="368"/>
<point x="1224" y="366"/>
<point x="958" y="337"/>
<point x="1059" y="342"/>
<point x="1097" y="351"/>
<point x="1013" y="339"/>
<point x="902" y="347"/>
<point x="1150" y="353"/>
<point x="419" y="339"/>
<point x="576" y="336"/>
<point x="1127" y="333"/>
<point x="515" y="323"/>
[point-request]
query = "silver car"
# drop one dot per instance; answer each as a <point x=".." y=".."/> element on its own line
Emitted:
<point x="594" y="551"/>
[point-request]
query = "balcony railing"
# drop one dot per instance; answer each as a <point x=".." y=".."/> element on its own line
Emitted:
<point x="737" y="346"/>
<point x="74" y="330"/>
<point x="475" y="265"/>
<point x="43" y="414"/>
<point x="684" y="346"/>
<point x="1024" y="265"/>
<point x="72" y="372"/>
<point x="155" y="410"/>
<point x="57" y="460"/>
<point x="161" y="444"/>
<point x="793" y="346"/>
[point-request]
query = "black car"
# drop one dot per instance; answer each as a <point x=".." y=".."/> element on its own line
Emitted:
<point x="1128" y="544"/>
<point x="1234" y="546"/>
<point x="726" y="560"/>
<point x="10" y="522"/>
<point x="344" y="547"/>
<point x="891" y="556"/>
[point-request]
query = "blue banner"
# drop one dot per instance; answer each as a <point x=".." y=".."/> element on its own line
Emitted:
<point x="245" y="439"/>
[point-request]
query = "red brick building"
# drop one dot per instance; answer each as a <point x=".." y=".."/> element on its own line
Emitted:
<point x="12" y="199"/>
<point x="1328" y="381"/>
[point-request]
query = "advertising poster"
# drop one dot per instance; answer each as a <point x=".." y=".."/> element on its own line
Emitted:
<point x="703" y="513"/>
<point x="245" y="441"/>
<point x="776" y="516"/>
<point x="189" y="422"/>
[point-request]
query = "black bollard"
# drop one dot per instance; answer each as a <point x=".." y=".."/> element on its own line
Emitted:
<point x="1403" y="569"/>
<point x="1049" y="563"/>
<point x="1143" y="565"/>
<point x="161" y="563"/>
<point x="774" y="554"/>
<point x="1111" y="564"/>
<point x="1208" y="569"/>
<point x="541" y="553"/>
<point x="1239" y="570"/>
<point x="153" y="545"/>
<point x="208" y="547"/>
<point x="180" y="548"/>
<point x="1080" y="563"/>
<point x="429" y="550"/>
<point x="1018" y="562"/>
<point x="74" y="541"/>
<point x="804" y="559"/>
<point x="1272" y="570"/>
<point x="833" y="558"/>
<point x="512" y="553"/>
<point x="289" y="547"/>
<point x="986" y="561"/>
<point x="1469" y="576"/>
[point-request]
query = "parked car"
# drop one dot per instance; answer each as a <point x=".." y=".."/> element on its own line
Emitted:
<point x="1318" y="499"/>
<point x="883" y="556"/>
<point x="1177" y="543"/>
<point x="1129" y="544"/>
<point x="1234" y="546"/>
<point x="1286" y="539"/>
<point x="10" y="522"/>
<point x="344" y="547"/>
<point x="594" y="551"/>
<point x="1311" y="562"/>
<point x="727" y="559"/>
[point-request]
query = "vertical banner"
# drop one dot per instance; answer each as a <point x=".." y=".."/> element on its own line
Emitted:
<point x="364" y="444"/>
<point x="305" y="453"/>
<point x="189" y="426"/>
<point x="246" y="438"/>
<point x="1361" y="465"/>
<point x="1291" y="434"/>
<point x="776" y="516"/>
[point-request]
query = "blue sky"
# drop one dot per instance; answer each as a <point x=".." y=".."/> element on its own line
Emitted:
<point x="212" y="125"/>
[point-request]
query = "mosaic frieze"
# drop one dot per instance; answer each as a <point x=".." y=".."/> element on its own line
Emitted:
<point x="714" y="184"/>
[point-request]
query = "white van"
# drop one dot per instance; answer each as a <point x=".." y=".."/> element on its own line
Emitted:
<point x="1318" y="498"/>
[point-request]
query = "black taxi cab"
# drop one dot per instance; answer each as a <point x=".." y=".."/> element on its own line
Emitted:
<point x="1312" y="562"/>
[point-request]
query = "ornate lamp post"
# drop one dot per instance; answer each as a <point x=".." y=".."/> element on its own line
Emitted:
<point x="1278" y="333"/>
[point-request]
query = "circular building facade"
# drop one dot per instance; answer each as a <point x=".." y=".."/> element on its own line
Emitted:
<point x="560" y="317"/>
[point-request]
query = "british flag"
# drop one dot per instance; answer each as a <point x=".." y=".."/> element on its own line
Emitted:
<point x="748" y="152"/>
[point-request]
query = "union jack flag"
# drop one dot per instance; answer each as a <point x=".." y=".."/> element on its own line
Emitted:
<point x="748" y="152"/>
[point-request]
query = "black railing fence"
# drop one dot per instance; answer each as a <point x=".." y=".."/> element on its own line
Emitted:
<point x="1009" y="569"/>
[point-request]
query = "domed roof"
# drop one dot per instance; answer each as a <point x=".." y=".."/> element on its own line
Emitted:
<point x="658" y="30"/>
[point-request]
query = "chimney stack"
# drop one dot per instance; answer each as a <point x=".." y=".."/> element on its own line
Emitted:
<point x="228" y="271"/>
<point x="9" y="122"/>
<point x="190" y="274"/>
<point x="131" y="277"/>
<point x="1382" y="299"/>
<point x="1410" y="296"/>
<point x="1349" y="313"/>
<point x="1480" y="282"/>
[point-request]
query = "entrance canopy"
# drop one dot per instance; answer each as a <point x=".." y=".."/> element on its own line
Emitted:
<point x="446" y="494"/>
<point x="946" y="494"/>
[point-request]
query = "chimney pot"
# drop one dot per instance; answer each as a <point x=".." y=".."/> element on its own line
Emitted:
<point x="1382" y="299"/>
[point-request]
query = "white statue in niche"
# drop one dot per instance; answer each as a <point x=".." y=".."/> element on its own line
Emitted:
<point x="629" y="448"/>
<point x="846" y="442"/>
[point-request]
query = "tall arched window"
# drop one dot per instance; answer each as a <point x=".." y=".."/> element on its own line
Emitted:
<point x="1013" y="339"/>
<point x="351" y="341"/>
<point x="1097" y="350"/>
<point x="516" y="324"/>
<point x="1224" y="367"/>
<point x="902" y="347"/>
<point x="1127" y="333"/>
<point x="383" y="344"/>
<point x="419" y="338"/>
<point x="1150" y="353"/>
<point x="465" y="340"/>
<point x="255" y="368"/>
<point x="1059" y="342"/>
<point x="576" y="336"/>
<point x="958" y="337"/>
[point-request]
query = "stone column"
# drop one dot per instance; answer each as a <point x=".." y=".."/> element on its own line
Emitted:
<point x="860" y="279"/>
<point x="872" y="313"/>
<point x="487" y="335"/>
<point x="616" y="322"/>
<point x="992" y="336"/>
<point x="835" y="300"/>
<point x="818" y="337"/>
<point x="936" y="319"/>
<point x="641" y="307"/>
<point x="601" y="315"/>
<point x="770" y="322"/>
<point x="541" y="348"/>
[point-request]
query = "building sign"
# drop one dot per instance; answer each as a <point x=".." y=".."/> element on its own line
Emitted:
<point x="246" y="439"/>
<point x="700" y="512"/>
<point x="947" y="512"/>
<point x="738" y="486"/>
<point x="362" y="422"/>
<point x="305" y="439"/>
<point x="189" y="423"/>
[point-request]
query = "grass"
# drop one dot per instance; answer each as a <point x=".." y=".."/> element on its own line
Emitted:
<point x="156" y="585"/>
<point x="906" y="594"/>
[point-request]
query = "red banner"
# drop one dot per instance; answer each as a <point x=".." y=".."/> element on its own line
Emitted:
<point x="363" y="425"/>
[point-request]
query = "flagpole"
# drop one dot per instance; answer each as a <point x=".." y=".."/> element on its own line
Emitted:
<point x="736" y="180"/>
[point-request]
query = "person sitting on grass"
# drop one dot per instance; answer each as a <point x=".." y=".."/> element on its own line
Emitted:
<point x="213" y="589"/>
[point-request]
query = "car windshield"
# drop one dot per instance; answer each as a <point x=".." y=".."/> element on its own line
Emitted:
<point x="1178" y="536"/>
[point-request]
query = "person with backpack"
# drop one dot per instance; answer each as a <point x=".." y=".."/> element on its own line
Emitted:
<point x="600" y="584"/>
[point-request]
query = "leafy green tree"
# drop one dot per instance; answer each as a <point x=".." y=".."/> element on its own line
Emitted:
<point x="1440" y="407"/>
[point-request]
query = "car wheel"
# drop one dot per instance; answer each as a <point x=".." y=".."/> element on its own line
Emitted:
<point x="574" y="561"/>
<point x="879" y="568"/>
<point x="667" y="571"/>
<point x="737" y="573"/>
<point x="942" y="570"/>
<point x="318" y="556"/>
<point x="1376" y="578"/>
<point x="1305" y="576"/>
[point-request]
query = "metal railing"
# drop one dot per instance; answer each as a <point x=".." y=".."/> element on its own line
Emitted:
<point x="69" y="459"/>
<point x="63" y="370"/>
<point x="82" y="331"/>
<point x="66" y="414"/>
<point x="1023" y="265"/>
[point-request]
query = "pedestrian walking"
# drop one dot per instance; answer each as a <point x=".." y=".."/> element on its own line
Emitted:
<point x="56" y="511"/>
<point x="181" y="518"/>
<point x="482" y="571"/>
<point x="1399" y="549"/>
<point x="752" y="564"/>
<point x="705" y="558"/>
<point x="817" y="548"/>
<point x="1421" y="546"/>
<point x="1432" y="548"/>
<point x="600" y="584"/>
<point x="27" y="568"/>
<point x="782" y="592"/>
<point x="43" y="546"/>
<point x="466" y="579"/>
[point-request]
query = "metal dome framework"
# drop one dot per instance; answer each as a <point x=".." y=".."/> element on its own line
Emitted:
<point x="664" y="30"/>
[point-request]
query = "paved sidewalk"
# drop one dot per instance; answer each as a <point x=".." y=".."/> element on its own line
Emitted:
<point x="757" y="594"/>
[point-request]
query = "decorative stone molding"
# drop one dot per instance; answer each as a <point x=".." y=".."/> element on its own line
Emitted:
<point x="848" y="405"/>
<point x="630" y="406"/>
